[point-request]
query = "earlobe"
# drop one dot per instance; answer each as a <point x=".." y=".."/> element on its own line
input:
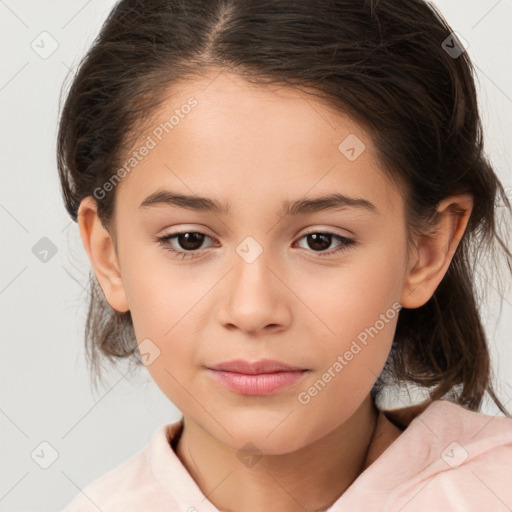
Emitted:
<point x="433" y="254"/>
<point x="100" y="248"/>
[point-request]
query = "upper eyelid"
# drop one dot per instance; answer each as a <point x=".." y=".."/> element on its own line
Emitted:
<point x="313" y="230"/>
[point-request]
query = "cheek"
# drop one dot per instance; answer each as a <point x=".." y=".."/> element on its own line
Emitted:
<point x="167" y="307"/>
<point x="164" y="312"/>
<point x="358" y="295"/>
<point x="362" y="319"/>
<point x="357" y="308"/>
<point x="162" y="295"/>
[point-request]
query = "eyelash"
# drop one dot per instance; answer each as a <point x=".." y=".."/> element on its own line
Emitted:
<point x="164" y="241"/>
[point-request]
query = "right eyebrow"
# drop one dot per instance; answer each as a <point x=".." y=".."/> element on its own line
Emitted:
<point x="197" y="203"/>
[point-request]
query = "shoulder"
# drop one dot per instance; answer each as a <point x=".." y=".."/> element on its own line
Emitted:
<point x="443" y="420"/>
<point x="123" y="487"/>
<point x="467" y="460"/>
<point x="471" y="482"/>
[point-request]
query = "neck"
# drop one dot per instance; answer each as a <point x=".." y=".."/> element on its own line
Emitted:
<point x="311" y="478"/>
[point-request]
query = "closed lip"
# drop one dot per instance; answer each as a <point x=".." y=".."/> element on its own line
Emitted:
<point x="255" y="367"/>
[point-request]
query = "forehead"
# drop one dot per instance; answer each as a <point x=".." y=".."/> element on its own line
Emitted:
<point x="223" y="137"/>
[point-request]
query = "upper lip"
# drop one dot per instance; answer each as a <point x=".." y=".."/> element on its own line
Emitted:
<point x="255" y="367"/>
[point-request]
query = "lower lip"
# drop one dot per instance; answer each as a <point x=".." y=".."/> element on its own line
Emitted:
<point x="261" y="384"/>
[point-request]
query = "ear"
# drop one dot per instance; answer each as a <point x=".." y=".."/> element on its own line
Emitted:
<point x="101" y="251"/>
<point x="433" y="254"/>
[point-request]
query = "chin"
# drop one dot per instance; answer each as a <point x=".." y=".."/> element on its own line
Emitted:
<point x="265" y="436"/>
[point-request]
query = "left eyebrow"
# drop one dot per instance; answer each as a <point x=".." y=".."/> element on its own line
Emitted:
<point x="333" y="201"/>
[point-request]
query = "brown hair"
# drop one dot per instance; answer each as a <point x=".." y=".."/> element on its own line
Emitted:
<point x="394" y="66"/>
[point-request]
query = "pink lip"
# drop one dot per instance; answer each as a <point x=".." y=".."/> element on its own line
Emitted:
<point x="262" y="377"/>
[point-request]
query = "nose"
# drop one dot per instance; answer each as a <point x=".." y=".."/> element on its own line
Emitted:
<point x="255" y="298"/>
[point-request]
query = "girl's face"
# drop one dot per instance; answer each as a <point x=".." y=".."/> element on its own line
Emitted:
<point x="248" y="283"/>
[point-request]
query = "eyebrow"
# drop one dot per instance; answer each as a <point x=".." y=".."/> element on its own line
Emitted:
<point x="328" y="202"/>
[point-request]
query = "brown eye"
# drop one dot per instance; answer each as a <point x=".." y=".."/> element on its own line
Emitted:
<point x="191" y="241"/>
<point x="184" y="244"/>
<point x="320" y="241"/>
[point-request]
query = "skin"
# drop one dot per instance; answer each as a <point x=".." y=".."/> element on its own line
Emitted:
<point x="255" y="147"/>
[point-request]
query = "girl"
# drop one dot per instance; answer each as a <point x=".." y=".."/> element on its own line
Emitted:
<point x="284" y="203"/>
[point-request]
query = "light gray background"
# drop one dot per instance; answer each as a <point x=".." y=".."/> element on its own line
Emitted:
<point x="46" y="396"/>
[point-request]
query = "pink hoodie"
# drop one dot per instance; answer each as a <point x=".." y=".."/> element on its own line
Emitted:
<point x="448" y="459"/>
